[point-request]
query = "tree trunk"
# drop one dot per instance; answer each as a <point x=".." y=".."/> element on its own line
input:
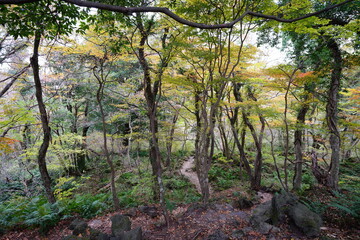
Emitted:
<point x="298" y="144"/>
<point x="45" y="177"/>
<point x="99" y="97"/>
<point x="256" y="179"/>
<point x="203" y="161"/>
<point x="239" y="144"/>
<point x="257" y="137"/>
<point x="202" y="144"/>
<point x="224" y="140"/>
<point x="151" y="96"/>
<point x="331" y="114"/>
<point x="81" y="161"/>
<point x="170" y="138"/>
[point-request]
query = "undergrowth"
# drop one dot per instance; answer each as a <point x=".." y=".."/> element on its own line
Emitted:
<point x="37" y="212"/>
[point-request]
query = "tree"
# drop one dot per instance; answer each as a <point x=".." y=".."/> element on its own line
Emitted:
<point x="10" y="49"/>
<point x="317" y="45"/>
<point x="44" y="19"/>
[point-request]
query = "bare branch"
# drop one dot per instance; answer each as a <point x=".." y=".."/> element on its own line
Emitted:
<point x="168" y="12"/>
<point x="14" y="77"/>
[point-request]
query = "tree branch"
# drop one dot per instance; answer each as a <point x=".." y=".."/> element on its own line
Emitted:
<point x="14" y="78"/>
<point x="168" y="12"/>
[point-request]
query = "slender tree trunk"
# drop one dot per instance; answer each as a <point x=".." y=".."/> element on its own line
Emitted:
<point x="203" y="162"/>
<point x="202" y="144"/>
<point x="170" y="139"/>
<point x="256" y="180"/>
<point x="99" y="97"/>
<point x="298" y="143"/>
<point x="224" y="140"/>
<point x="258" y="137"/>
<point x="332" y="114"/>
<point x="239" y="144"/>
<point x="45" y="177"/>
<point x="151" y="94"/>
<point x="81" y="158"/>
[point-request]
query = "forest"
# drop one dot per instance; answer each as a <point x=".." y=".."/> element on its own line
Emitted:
<point x="185" y="119"/>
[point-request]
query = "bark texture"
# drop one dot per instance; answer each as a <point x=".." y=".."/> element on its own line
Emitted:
<point x="45" y="177"/>
<point x="298" y="146"/>
<point x="332" y="114"/>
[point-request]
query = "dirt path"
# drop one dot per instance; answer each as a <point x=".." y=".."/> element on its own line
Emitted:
<point x="187" y="171"/>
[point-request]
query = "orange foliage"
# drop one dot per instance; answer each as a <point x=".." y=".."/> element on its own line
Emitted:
<point x="7" y="145"/>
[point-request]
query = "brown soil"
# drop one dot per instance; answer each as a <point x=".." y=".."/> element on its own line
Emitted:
<point x="190" y="222"/>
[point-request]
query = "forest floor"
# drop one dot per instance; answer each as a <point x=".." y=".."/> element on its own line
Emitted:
<point x="189" y="221"/>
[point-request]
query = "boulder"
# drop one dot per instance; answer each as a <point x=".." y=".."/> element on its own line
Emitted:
<point x="264" y="227"/>
<point x="218" y="235"/>
<point x="280" y="204"/>
<point x="74" y="223"/>
<point x="307" y="221"/>
<point x="120" y="224"/>
<point x="131" y="212"/>
<point x="242" y="203"/>
<point x="97" y="235"/>
<point x="262" y="213"/>
<point x="135" y="234"/>
<point x="238" y="234"/>
<point x="71" y="237"/>
<point x="268" y="215"/>
<point x="149" y="210"/>
<point x="78" y="226"/>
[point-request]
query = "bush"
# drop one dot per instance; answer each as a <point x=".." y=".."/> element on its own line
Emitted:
<point x="21" y="212"/>
<point x="308" y="182"/>
<point x="346" y="205"/>
<point x="37" y="212"/>
<point x="87" y="205"/>
<point x="340" y="209"/>
<point x="221" y="177"/>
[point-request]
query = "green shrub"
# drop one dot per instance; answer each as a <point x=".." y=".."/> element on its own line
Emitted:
<point x="37" y="212"/>
<point x="127" y="199"/>
<point x="316" y="206"/>
<point x="87" y="205"/>
<point x="21" y="212"/>
<point x="308" y="182"/>
<point x="223" y="178"/>
<point x="347" y="205"/>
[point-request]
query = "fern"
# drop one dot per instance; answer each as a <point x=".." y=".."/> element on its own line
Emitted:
<point x="346" y="204"/>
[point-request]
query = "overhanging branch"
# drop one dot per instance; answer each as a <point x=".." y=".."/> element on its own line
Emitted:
<point x="168" y="12"/>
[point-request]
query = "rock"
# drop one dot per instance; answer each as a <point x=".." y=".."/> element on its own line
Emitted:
<point x="264" y="227"/>
<point x="80" y="229"/>
<point x="74" y="223"/>
<point x="95" y="223"/>
<point x="71" y="237"/>
<point x="78" y="226"/>
<point x="131" y="212"/>
<point x="242" y="203"/>
<point x="307" y="221"/>
<point x="97" y="235"/>
<point x="120" y="224"/>
<point x="135" y="234"/>
<point x="271" y="213"/>
<point x="218" y="235"/>
<point x="238" y="234"/>
<point x="280" y="204"/>
<point x="262" y="213"/>
<point x="270" y="237"/>
<point x="196" y="207"/>
<point x="151" y="211"/>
